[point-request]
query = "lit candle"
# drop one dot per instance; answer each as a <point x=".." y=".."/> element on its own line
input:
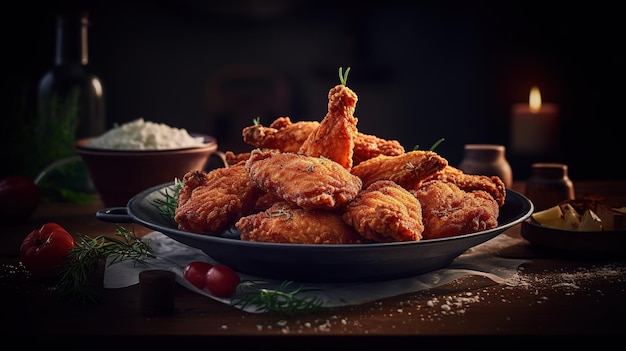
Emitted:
<point x="534" y="126"/>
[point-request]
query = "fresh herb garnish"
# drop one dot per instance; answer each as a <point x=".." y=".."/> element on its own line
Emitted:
<point x="249" y="293"/>
<point x="280" y="301"/>
<point x="343" y="77"/>
<point x="432" y="148"/>
<point x="167" y="206"/>
<point x="76" y="277"/>
<point x="256" y="121"/>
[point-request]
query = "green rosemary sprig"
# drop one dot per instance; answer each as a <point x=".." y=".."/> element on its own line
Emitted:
<point x="343" y="77"/>
<point x="167" y="205"/>
<point x="432" y="148"/>
<point x="280" y="301"/>
<point x="76" y="281"/>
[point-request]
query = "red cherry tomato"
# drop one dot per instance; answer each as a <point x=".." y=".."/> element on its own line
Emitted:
<point x="195" y="273"/>
<point x="222" y="281"/>
<point x="44" y="251"/>
<point x="19" y="198"/>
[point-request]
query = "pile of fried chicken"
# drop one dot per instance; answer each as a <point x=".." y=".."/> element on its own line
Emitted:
<point x="325" y="182"/>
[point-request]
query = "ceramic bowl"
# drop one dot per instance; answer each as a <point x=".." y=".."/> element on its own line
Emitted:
<point x="118" y="175"/>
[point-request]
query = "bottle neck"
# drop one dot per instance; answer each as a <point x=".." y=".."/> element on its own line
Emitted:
<point x="71" y="39"/>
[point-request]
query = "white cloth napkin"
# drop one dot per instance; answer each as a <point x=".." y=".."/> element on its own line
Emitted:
<point x="171" y="255"/>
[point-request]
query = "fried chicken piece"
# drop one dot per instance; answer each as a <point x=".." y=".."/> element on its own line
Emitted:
<point x="408" y="169"/>
<point x="287" y="223"/>
<point x="448" y="210"/>
<point x="334" y="137"/>
<point x="306" y="181"/>
<point x="209" y="203"/>
<point x="385" y="212"/>
<point x="286" y="136"/>
<point x="369" y="146"/>
<point x="469" y="182"/>
<point x="233" y="158"/>
<point x="266" y="201"/>
<point x="282" y="135"/>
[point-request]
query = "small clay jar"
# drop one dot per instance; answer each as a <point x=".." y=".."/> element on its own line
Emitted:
<point x="548" y="185"/>
<point x="157" y="292"/>
<point x="488" y="160"/>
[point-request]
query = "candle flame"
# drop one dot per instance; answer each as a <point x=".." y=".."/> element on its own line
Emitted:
<point x="534" y="100"/>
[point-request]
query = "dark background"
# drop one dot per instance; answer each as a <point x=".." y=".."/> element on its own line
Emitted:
<point x="422" y="70"/>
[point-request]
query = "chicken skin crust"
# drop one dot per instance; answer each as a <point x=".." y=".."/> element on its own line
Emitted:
<point x="286" y="223"/>
<point x="282" y="135"/>
<point x="306" y="181"/>
<point x="469" y="182"/>
<point x="287" y="136"/>
<point x="408" y="169"/>
<point x="334" y="137"/>
<point x="369" y="146"/>
<point x="209" y="203"/>
<point x="448" y="210"/>
<point x="385" y="212"/>
<point x="233" y="158"/>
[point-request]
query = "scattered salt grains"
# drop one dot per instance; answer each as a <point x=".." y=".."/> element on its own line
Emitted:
<point x="569" y="283"/>
<point x="452" y="305"/>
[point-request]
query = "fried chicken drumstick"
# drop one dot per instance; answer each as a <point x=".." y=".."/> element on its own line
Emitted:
<point x="334" y="137"/>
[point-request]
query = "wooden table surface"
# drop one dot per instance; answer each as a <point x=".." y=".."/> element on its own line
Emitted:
<point x="557" y="295"/>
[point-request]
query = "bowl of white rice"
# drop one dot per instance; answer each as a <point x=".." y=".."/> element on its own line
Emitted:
<point x="140" y="154"/>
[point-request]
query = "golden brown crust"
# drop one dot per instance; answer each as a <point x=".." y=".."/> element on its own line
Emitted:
<point x="287" y="223"/>
<point x="385" y="212"/>
<point x="233" y="158"/>
<point x="306" y="181"/>
<point x="408" y="169"/>
<point x="334" y="137"/>
<point x="282" y="135"/>
<point x="369" y="146"/>
<point x="469" y="182"/>
<point x="209" y="203"/>
<point x="448" y="210"/>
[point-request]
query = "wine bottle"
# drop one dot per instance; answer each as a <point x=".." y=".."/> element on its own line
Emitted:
<point x="70" y="95"/>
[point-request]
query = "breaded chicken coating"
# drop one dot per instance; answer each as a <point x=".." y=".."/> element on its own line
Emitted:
<point x="306" y="181"/>
<point x="286" y="223"/>
<point x="385" y="212"/>
<point x="448" y="210"/>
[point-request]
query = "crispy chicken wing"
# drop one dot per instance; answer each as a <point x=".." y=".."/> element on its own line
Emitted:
<point x="286" y="136"/>
<point x="306" y="181"/>
<point x="448" y="210"/>
<point x="334" y="137"/>
<point x="408" y="169"/>
<point x="233" y="158"/>
<point x="385" y="212"/>
<point x="209" y="203"/>
<point x="281" y="135"/>
<point x="468" y="182"/>
<point x="286" y="223"/>
<point x="369" y="146"/>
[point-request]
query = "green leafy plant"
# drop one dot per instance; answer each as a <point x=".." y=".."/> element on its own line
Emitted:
<point x="283" y="301"/>
<point x="343" y="77"/>
<point x="433" y="147"/>
<point x="167" y="205"/>
<point x="76" y="281"/>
